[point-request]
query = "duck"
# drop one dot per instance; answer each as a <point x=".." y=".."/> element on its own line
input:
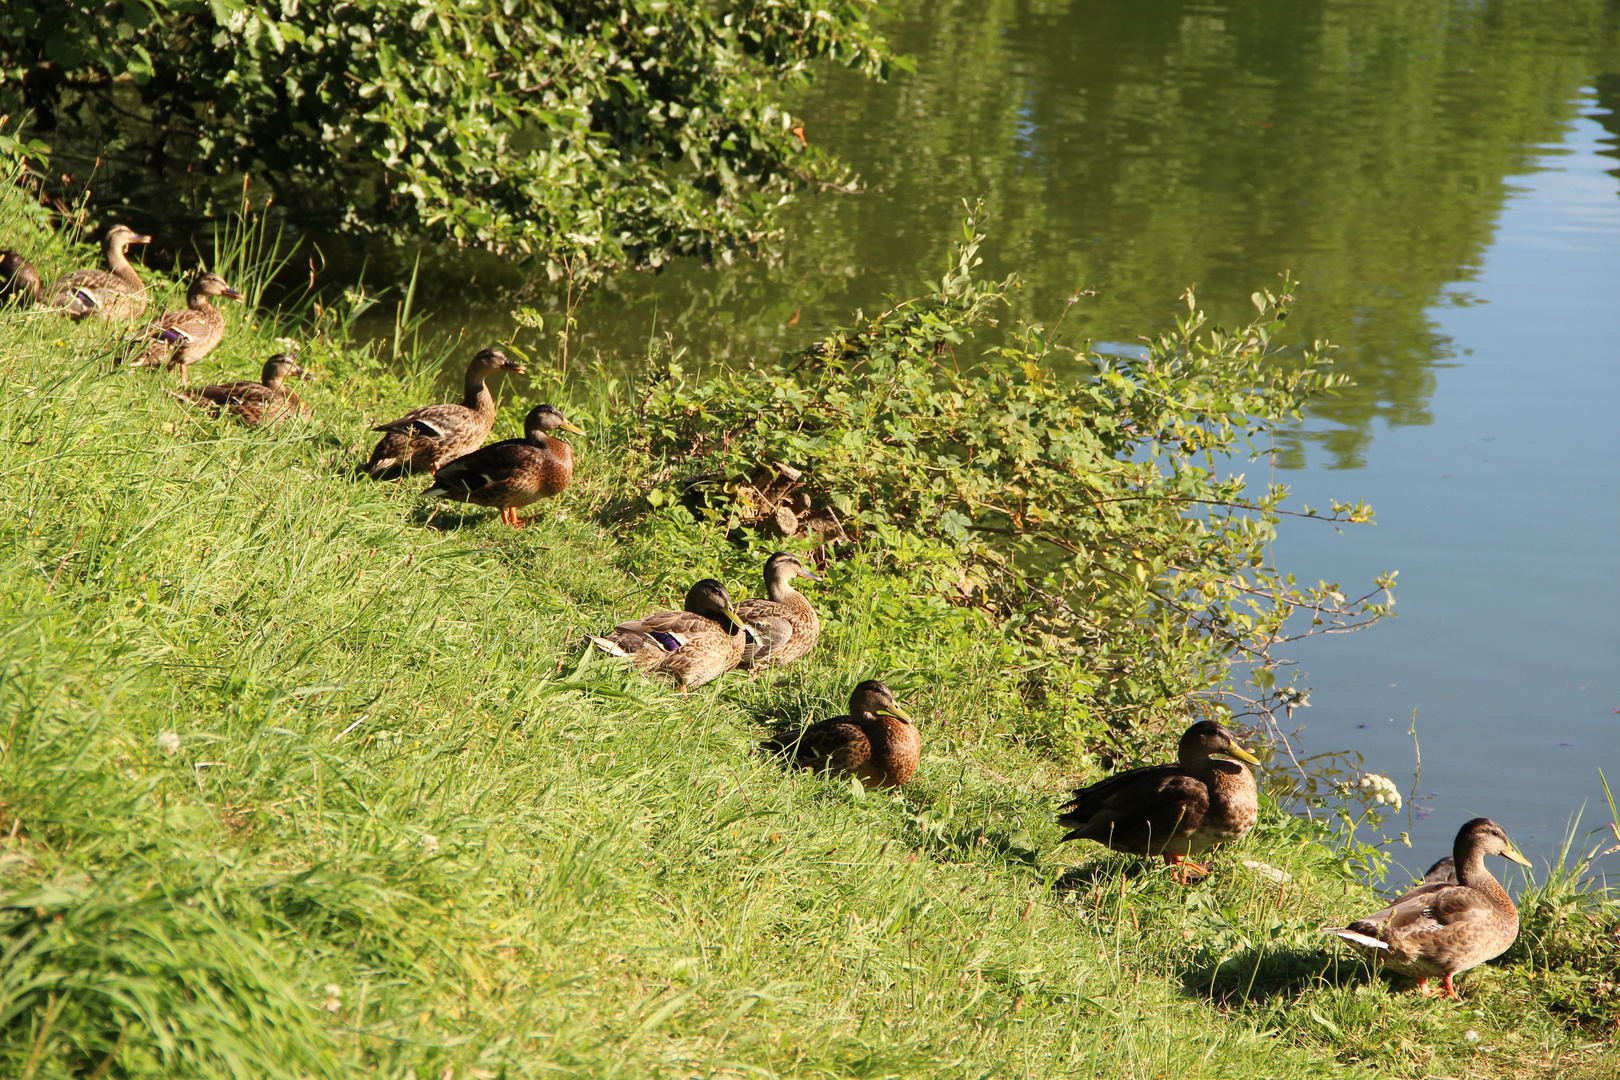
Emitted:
<point x="1174" y="810"/>
<point x="178" y="339"/>
<point x="425" y="439"/>
<point x="114" y="293"/>
<point x="1442" y="928"/>
<point x="19" y="281"/>
<point x="784" y="627"/>
<point x="695" y="645"/>
<point x="877" y="742"/>
<point x="513" y="473"/>
<point x="253" y="403"/>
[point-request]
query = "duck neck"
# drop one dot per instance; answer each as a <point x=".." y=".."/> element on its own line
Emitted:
<point x="477" y="396"/>
<point x="1472" y="872"/>
<point x="118" y="263"/>
<point x="197" y="300"/>
<point x="781" y="591"/>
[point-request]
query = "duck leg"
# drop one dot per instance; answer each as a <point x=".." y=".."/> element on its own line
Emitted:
<point x="1183" y="866"/>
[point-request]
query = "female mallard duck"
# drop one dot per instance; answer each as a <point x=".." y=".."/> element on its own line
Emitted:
<point x="113" y="293"/>
<point x="424" y="439"/>
<point x="178" y="339"/>
<point x="784" y="627"/>
<point x="1443" y="928"/>
<point x="19" y="281"/>
<point x="696" y="645"/>
<point x="1171" y="810"/>
<point x="877" y="742"/>
<point x="254" y="403"/>
<point x="513" y="473"/>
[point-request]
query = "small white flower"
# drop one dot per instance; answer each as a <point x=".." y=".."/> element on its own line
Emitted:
<point x="430" y="843"/>
<point x="334" y="998"/>
<point x="168" y="742"/>
<point x="1471" y="1035"/>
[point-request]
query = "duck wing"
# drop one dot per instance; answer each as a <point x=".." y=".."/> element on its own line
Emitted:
<point x="837" y="745"/>
<point x="494" y="464"/>
<point x="769" y="629"/>
<point x="1137" y="811"/>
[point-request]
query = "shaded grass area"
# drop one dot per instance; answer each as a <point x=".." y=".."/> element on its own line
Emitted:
<point x="301" y="779"/>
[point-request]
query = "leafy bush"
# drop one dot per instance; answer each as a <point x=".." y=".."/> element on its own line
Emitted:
<point x="619" y="131"/>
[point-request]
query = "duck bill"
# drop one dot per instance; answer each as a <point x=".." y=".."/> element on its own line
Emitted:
<point x="231" y="294"/>
<point x="575" y="428"/>
<point x="734" y="619"/>
<point x="805" y="571"/>
<point x="139" y="240"/>
<point x="897" y="712"/>
<point x="1241" y="754"/>
<point x="1512" y="854"/>
<point x="514" y="367"/>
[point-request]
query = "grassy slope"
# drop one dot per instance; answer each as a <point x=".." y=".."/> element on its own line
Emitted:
<point x="408" y="829"/>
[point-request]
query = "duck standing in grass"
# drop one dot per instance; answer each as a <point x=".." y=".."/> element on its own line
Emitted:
<point x="877" y="741"/>
<point x="19" y="281"/>
<point x="513" y="473"/>
<point x="1171" y="810"/>
<point x="253" y="403"/>
<point x="113" y="293"/>
<point x="1442" y="928"/>
<point x="695" y="645"/>
<point x="424" y="439"/>
<point x="784" y="627"/>
<point x="178" y="339"/>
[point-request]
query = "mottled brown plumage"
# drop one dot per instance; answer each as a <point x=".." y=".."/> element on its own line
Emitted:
<point x="784" y="627"/>
<point x="695" y="645"/>
<point x="1171" y="810"/>
<point x="424" y="439"/>
<point x="19" y="281"/>
<point x="114" y="293"/>
<point x="178" y="339"/>
<point x="254" y="403"/>
<point x="513" y="473"/>
<point x="1442" y="928"/>
<point x="876" y="741"/>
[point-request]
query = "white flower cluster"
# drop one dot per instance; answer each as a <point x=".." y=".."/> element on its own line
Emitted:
<point x="168" y="742"/>
<point x="1382" y="789"/>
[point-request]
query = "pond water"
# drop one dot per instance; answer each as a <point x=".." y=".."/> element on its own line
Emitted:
<point x="1437" y="175"/>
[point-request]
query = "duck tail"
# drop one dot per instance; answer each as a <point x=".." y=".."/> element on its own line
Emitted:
<point x="1355" y="937"/>
<point x="608" y="645"/>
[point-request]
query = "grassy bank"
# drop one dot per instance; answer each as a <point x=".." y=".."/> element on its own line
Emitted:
<point x="406" y="826"/>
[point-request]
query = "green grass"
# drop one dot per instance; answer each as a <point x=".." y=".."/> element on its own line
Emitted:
<point x="412" y="829"/>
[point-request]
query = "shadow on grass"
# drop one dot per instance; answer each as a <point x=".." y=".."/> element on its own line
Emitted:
<point x="1265" y="974"/>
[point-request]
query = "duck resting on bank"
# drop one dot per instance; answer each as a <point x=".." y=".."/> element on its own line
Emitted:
<point x="1173" y="810"/>
<point x="253" y="403"/>
<point x="19" y="281"/>
<point x="178" y="339"/>
<point x="877" y="741"/>
<point x="695" y="645"/>
<point x="425" y="439"/>
<point x="1442" y="928"/>
<point x="114" y="293"/>
<point x="513" y="473"/>
<point x="784" y="627"/>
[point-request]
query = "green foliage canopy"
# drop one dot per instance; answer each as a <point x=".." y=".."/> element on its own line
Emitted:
<point x="609" y="131"/>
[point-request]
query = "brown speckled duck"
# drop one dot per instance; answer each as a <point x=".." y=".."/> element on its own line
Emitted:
<point x="513" y="473"/>
<point x="784" y="627"/>
<point x="113" y="293"/>
<point x="1171" y="810"/>
<point x="178" y="339"/>
<point x="424" y="439"/>
<point x="877" y="741"/>
<point x="19" y="281"/>
<point x="254" y="403"/>
<point x="695" y="645"/>
<point x="1442" y="928"/>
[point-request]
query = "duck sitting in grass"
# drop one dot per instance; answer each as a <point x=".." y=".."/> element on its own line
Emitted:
<point x="178" y="339"/>
<point x="877" y="741"/>
<point x="1442" y="928"/>
<point x="695" y="645"/>
<point x="425" y="439"/>
<point x="19" y="281"/>
<point x="253" y="403"/>
<point x="513" y="473"/>
<point x="1171" y="810"/>
<point x="784" y="627"/>
<point x="114" y="293"/>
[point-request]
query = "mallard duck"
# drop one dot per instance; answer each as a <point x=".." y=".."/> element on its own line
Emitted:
<point x="424" y="439"/>
<point x="178" y="339"/>
<point x="253" y="403"/>
<point x="513" y="473"/>
<point x="695" y="645"/>
<point x="877" y="741"/>
<point x="784" y="627"/>
<point x="113" y="293"/>
<point x="19" y="281"/>
<point x="1442" y="928"/>
<point x="1171" y="810"/>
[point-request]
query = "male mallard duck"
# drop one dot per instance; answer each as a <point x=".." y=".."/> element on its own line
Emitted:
<point x="513" y="473"/>
<point x="426" y="438"/>
<point x="178" y="339"/>
<point x="1443" y="928"/>
<point x="784" y="627"/>
<point x="696" y="645"/>
<point x="19" y="281"/>
<point x="253" y="403"/>
<point x="877" y="741"/>
<point x="1171" y="810"/>
<point x="113" y="293"/>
